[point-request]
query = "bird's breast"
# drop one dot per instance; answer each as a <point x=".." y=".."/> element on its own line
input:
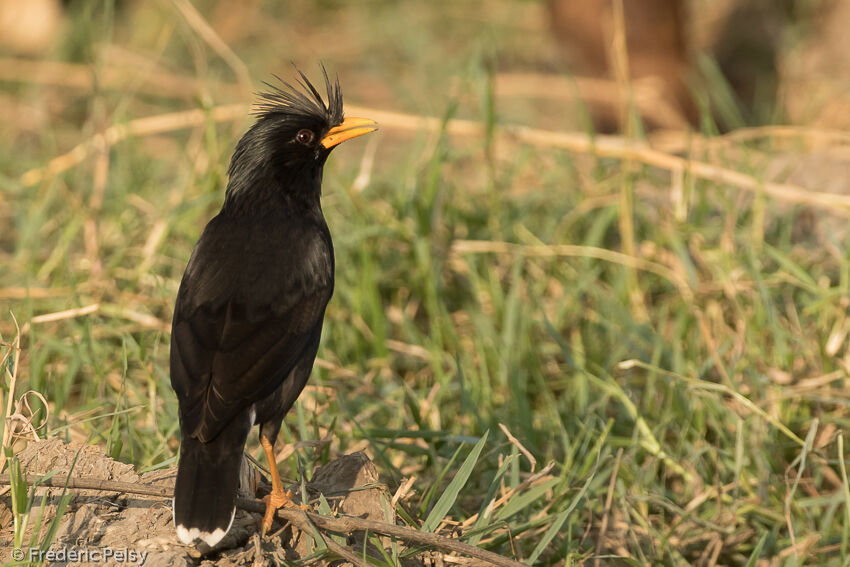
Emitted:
<point x="270" y="261"/>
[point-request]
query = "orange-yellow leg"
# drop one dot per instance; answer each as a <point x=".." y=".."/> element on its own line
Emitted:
<point x="278" y="497"/>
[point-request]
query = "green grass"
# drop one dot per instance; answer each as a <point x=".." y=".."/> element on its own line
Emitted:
<point x="715" y="434"/>
<point x="24" y="505"/>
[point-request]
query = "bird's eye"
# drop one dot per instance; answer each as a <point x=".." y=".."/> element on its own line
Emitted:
<point x="304" y="136"/>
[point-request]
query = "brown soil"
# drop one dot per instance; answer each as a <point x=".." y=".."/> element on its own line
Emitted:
<point x="142" y="525"/>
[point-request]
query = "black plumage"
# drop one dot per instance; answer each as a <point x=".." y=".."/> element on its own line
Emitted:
<point x="249" y="311"/>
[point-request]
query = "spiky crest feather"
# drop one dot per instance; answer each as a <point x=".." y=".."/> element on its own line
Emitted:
<point x="306" y="100"/>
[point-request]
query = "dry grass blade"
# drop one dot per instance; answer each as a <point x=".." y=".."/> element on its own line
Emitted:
<point x="147" y="126"/>
<point x="415" y="351"/>
<point x="619" y="148"/>
<point x="618" y="62"/>
<point x="23" y="416"/>
<point x="403" y="490"/>
<point x="609" y="500"/>
<point x="616" y="148"/>
<point x="15" y="353"/>
<point x="61" y="315"/>
<point x="290" y="448"/>
<point x="33" y="292"/>
<point x="519" y="446"/>
<point x="209" y="35"/>
<point x="810" y="135"/>
<point x="143" y="319"/>
<point x="112" y="76"/>
<point x="335" y="369"/>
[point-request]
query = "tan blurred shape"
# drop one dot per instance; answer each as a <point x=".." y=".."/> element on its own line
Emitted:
<point x="655" y="42"/>
<point x="28" y="26"/>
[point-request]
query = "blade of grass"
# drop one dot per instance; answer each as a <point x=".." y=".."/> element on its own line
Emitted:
<point x="447" y="500"/>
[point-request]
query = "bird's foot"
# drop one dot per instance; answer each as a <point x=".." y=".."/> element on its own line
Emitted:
<point x="275" y="500"/>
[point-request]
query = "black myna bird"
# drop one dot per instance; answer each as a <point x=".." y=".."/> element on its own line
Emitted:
<point x="249" y="311"/>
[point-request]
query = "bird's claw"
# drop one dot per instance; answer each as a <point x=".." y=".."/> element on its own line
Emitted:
<point x="275" y="500"/>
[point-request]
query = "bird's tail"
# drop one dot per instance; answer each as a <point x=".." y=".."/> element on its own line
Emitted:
<point x="205" y="491"/>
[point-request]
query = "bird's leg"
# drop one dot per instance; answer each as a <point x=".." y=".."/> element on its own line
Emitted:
<point x="278" y="497"/>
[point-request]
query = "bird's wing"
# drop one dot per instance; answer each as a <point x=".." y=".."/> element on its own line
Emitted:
<point x="232" y="347"/>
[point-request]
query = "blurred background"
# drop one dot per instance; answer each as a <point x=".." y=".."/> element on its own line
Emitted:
<point x="748" y="62"/>
<point x="612" y="234"/>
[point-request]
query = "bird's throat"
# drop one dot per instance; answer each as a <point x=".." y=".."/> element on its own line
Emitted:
<point x="263" y="191"/>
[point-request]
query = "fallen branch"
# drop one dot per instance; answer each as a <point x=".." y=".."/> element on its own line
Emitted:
<point x="302" y="520"/>
<point x="96" y="484"/>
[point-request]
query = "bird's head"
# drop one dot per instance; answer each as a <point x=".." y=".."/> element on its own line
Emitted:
<point x="293" y="136"/>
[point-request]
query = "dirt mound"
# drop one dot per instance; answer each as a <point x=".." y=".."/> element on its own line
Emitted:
<point x="104" y="527"/>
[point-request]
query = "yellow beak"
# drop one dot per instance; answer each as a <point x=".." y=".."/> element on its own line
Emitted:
<point x="350" y="128"/>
